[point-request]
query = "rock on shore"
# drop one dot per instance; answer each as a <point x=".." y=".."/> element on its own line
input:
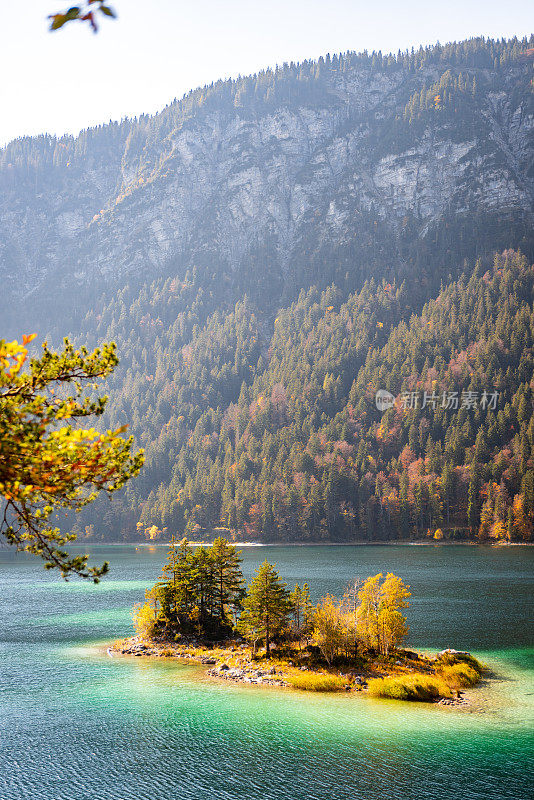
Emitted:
<point x="248" y="673"/>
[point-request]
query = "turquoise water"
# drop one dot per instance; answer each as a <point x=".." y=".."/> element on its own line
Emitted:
<point x="77" y="724"/>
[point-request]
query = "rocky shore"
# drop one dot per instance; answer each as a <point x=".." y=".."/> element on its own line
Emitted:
<point x="234" y="662"/>
<point x="247" y="672"/>
<point x="136" y="646"/>
<point x="240" y="669"/>
<point x="230" y="663"/>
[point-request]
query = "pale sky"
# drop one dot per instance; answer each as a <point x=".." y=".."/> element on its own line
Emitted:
<point x="159" y="49"/>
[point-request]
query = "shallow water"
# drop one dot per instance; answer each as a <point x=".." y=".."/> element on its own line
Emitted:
<point x="74" y="723"/>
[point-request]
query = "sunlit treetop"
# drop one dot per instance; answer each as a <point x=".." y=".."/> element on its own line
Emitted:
<point x="47" y="461"/>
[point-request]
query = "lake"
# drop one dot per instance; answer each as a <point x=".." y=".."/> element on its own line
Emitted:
<point x="77" y="724"/>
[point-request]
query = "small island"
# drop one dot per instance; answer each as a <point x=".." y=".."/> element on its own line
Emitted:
<point x="200" y="611"/>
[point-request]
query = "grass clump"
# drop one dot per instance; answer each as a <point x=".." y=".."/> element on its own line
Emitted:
<point x="453" y="659"/>
<point x="312" y="682"/>
<point x="393" y="688"/>
<point x="417" y="688"/>
<point x="459" y="676"/>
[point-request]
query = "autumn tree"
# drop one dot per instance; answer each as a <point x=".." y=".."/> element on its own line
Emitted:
<point x="144" y="616"/>
<point x="47" y="462"/>
<point x="369" y="611"/>
<point x="393" y="626"/>
<point x="329" y="629"/>
<point x="380" y="621"/>
<point x="349" y="607"/>
<point x="521" y="527"/>
<point x="266" y="608"/>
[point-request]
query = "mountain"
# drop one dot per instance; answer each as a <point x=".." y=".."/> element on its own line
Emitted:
<point x="267" y="253"/>
<point x="323" y="171"/>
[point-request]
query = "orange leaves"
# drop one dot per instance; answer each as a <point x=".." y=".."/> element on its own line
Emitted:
<point x="27" y="338"/>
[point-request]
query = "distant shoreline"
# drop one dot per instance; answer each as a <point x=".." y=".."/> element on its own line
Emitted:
<point x="414" y="543"/>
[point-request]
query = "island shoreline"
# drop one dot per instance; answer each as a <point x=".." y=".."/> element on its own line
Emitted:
<point x="234" y="663"/>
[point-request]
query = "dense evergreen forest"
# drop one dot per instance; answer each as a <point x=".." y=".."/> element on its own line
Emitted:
<point x="267" y="253"/>
<point x="276" y="436"/>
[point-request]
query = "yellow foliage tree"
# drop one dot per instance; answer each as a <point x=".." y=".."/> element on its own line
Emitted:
<point x="380" y="622"/>
<point x="329" y="632"/>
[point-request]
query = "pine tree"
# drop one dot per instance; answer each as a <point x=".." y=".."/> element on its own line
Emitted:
<point x="473" y="496"/>
<point x="227" y="575"/>
<point x="302" y="611"/>
<point x="295" y="599"/>
<point x="266" y="608"/>
<point x="203" y="581"/>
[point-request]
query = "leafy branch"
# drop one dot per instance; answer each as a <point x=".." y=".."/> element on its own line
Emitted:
<point x="89" y="12"/>
<point x="46" y="463"/>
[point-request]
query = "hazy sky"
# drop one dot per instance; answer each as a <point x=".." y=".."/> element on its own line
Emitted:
<point x="159" y="49"/>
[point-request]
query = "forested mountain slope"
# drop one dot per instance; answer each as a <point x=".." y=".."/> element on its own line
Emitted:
<point x="267" y="253"/>
<point x="280" y="437"/>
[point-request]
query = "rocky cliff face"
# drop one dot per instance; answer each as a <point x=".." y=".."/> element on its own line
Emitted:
<point x="328" y="182"/>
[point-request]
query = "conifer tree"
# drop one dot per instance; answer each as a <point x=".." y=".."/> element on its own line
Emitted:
<point x="266" y="608"/>
<point x="302" y="611"/>
<point x="228" y="578"/>
<point x="204" y="585"/>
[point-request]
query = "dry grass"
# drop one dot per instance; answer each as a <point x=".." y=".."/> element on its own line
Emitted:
<point x="418" y="687"/>
<point x="453" y="673"/>
<point x="459" y="676"/>
<point x="451" y="659"/>
<point x="316" y="682"/>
